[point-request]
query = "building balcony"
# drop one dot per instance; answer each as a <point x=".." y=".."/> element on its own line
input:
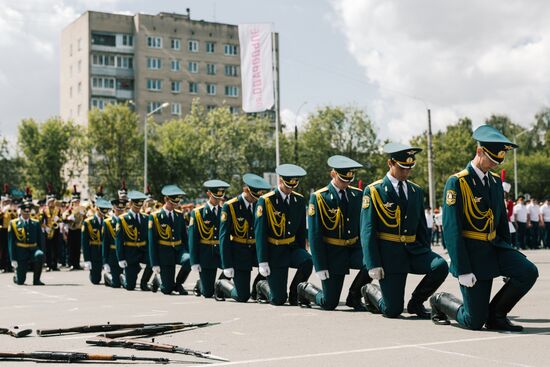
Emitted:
<point x="124" y="94"/>
<point x="112" y="71"/>
<point x="121" y="49"/>
<point x="104" y="92"/>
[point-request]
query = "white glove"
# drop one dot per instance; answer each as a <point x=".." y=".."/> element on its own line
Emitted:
<point x="122" y="264"/>
<point x="229" y="272"/>
<point x="87" y="265"/>
<point x="56" y="218"/>
<point x="71" y="217"/>
<point x="107" y="268"/>
<point x="14" y="264"/>
<point x="323" y="274"/>
<point x="156" y="269"/>
<point x="264" y="269"/>
<point x="467" y="280"/>
<point x="48" y="229"/>
<point x="376" y="273"/>
<point x="196" y="267"/>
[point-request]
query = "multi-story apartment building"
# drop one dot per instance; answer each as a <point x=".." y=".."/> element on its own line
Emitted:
<point x="147" y="60"/>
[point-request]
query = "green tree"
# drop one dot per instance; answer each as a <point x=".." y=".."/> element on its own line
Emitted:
<point x="115" y="145"/>
<point x="337" y="130"/>
<point x="47" y="148"/>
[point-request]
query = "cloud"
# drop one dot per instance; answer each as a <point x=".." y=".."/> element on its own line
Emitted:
<point x="468" y="58"/>
<point x="290" y="119"/>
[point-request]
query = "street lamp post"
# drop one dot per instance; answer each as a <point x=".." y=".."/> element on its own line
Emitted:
<point x="516" y="162"/>
<point x="165" y="104"/>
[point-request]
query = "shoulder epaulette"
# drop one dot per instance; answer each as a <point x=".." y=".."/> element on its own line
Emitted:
<point x="35" y="220"/>
<point x="198" y="208"/>
<point x="178" y="211"/>
<point x="321" y="190"/>
<point x="355" y="188"/>
<point x="271" y="193"/>
<point x="89" y="219"/>
<point x="462" y="173"/>
<point x="234" y="200"/>
<point x="297" y="194"/>
<point x="376" y="182"/>
<point x="494" y="174"/>
<point x="414" y="183"/>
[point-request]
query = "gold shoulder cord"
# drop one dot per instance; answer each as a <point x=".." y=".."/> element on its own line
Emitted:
<point x="19" y="233"/>
<point x="205" y="232"/>
<point x="132" y="235"/>
<point x="240" y="230"/>
<point x="278" y="227"/>
<point x="110" y="227"/>
<point x="329" y="220"/>
<point x="93" y="233"/>
<point x="165" y="234"/>
<point x="471" y="209"/>
<point x="386" y="215"/>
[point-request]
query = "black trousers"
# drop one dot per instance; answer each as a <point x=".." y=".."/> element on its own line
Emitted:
<point x="5" y="263"/>
<point x="522" y="229"/>
<point x="52" y="250"/>
<point x="74" y="241"/>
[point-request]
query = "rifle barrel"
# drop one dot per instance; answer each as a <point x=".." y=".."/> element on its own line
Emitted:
<point x="100" y="328"/>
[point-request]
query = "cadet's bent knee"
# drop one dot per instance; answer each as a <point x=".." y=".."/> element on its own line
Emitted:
<point x="278" y="301"/>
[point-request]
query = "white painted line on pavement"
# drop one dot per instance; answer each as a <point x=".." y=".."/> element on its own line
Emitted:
<point x="499" y="362"/>
<point x="377" y="349"/>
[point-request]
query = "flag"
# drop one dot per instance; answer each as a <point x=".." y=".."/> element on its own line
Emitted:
<point x="256" y="67"/>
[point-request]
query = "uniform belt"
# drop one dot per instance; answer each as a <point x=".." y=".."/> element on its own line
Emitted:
<point x="135" y="244"/>
<point x="112" y="247"/>
<point x="95" y="243"/>
<point x="282" y="241"/>
<point x="340" y="242"/>
<point x="480" y="236"/>
<point x="29" y="245"/>
<point x="244" y="241"/>
<point x="170" y="243"/>
<point x="209" y="242"/>
<point x="396" y="238"/>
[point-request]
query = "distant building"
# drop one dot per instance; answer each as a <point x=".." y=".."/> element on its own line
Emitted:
<point x="147" y="60"/>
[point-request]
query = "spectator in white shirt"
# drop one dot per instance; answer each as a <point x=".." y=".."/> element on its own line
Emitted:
<point x="520" y="217"/>
<point x="429" y="221"/>
<point x="545" y="220"/>
<point x="533" y="212"/>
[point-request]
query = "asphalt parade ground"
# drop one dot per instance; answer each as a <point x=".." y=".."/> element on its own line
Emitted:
<point x="257" y="334"/>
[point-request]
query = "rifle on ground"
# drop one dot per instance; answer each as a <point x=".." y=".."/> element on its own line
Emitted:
<point x="69" y="357"/>
<point x="100" y="328"/>
<point x="157" y="347"/>
<point x="16" y="332"/>
<point x="153" y="330"/>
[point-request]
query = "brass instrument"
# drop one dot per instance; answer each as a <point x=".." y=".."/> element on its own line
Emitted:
<point x="51" y="217"/>
<point x="78" y="213"/>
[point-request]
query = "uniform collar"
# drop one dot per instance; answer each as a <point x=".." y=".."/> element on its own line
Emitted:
<point x="395" y="182"/>
<point x="479" y="172"/>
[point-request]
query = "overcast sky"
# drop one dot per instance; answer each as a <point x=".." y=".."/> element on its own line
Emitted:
<point x="392" y="58"/>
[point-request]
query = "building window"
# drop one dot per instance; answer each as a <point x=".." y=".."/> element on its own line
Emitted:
<point x="210" y="107"/>
<point x="230" y="49"/>
<point x="175" y="86"/>
<point x="152" y="106"/>
<point x="193" y="87"/>
<point x="211" y="89"/>
<point x="127" y="40"/>
<point x="175" y="44"/>
<point x="209" y="47"/>
<point x="233" y="110"/>
<point x="176" y="65"/>
<point x="193" y="46"/>
<point x="79" y="88"/>
<point x="125" y="84"/>
<point x="211" y="69"/>
<point x="71" y="49"/>
<point x="154" y="42"/>
<point x="103" y="60"/>
<point x="70" y="92"/>
<point x="79" y="44"/>
<point x="193" y="67"/>
<point x="103" y="39"/>
<point x="176" y="109"/>
<point x="154" y="84"/>
<point x="103" y="83"/>
<point x="101" y="103"/>
<point x="154" y="63"/>
<point x="125" y="62"/>
<point x="70" y="71"/>
<point x="231" y="70"/>
<point x="231" y="91"/>
<point x="79" y="66"/>
<point x="78" y="108"/>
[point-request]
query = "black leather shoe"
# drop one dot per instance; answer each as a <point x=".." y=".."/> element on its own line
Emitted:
<point x="418" y="309"/>
<point x="502" y="324"/>
<point x="197" y="290"/>
<point x="218" y="292"/>
<point x="355" y="302"/>
<point x="37" y="282"/>
<point x="182" y="291"/>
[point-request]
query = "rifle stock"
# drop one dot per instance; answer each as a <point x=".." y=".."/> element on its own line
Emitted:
<point x="74" y="357"/>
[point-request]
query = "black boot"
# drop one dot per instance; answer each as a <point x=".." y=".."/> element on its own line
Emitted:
<point x="155" y="284"/>
<point x="253" y="293"/>
<point x="444" y="307"/>
<point x="372" y="295"/>
<point x="197" y="290"/>
<point x="107" y="279"/>
<point x="223" y="289"/>
<point x="123" y="280"/>
<point x="354" y="295"/>
<point x="500" y="305"/>
<point x="307" y="294"/>
<point x="180" y="279"/>
<point x="302" y="275"/>
<point x="143" y="283"/>
<point x="427" y="286"/>
<point x="263" y="290"/>
<point x="37" y="270"/>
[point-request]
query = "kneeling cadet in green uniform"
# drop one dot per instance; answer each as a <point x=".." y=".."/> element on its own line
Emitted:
<point x="281" y="238"/>
<point x="92" y="233"/>
<point x="204" y="249"/>
<point x="131" y="244"/>
<point x="168" y="242"/>
<point x="333" y="231"/>
<point x="237" y="243"/>
<point x="394" y="235"/>
<point x="112" y="271"/>
<point x="25" y="243"/>
<point x="477" y="236"/>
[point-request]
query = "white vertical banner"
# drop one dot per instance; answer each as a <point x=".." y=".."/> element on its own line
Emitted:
<point x="256" y="67"/>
